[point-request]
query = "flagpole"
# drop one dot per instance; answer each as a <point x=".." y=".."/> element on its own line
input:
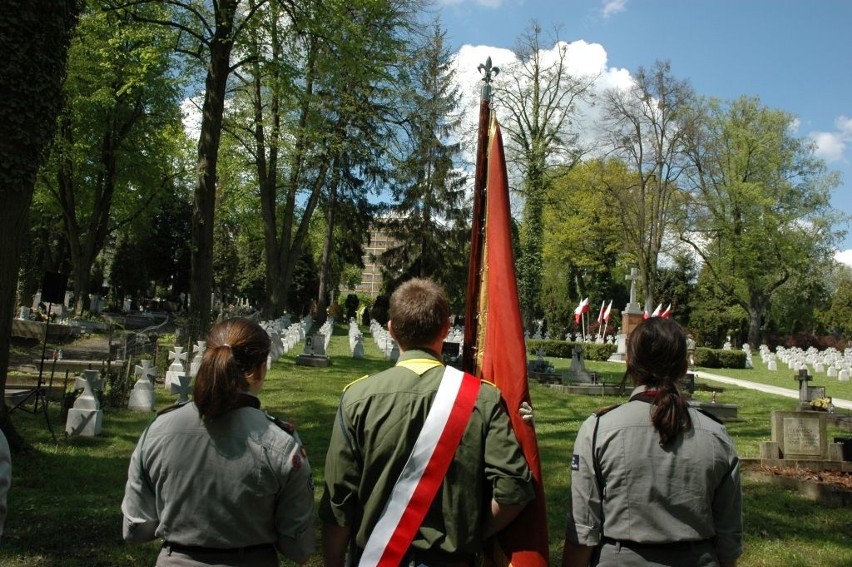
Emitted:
<point x="474" y="267"/>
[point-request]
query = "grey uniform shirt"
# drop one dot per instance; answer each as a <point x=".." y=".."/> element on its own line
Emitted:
<point x="688" y="491"/>
<point x="240" y="481"/>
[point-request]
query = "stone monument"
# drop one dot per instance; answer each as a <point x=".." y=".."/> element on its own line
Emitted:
<point x="142" y="394"/>
<point x="630" y="318"/>
<point x="314" y="353"/>
<point x="86" y="417"/>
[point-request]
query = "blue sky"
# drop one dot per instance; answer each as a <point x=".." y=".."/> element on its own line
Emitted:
<point x="795" y="55"/>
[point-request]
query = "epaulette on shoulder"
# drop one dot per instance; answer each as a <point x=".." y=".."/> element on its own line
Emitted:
<point x="605" y="409"/>
<point x="285" y="425"/>
<point x="710" y="415"/>
<point x="346" y="387"/>
<point x="172" y="407"/>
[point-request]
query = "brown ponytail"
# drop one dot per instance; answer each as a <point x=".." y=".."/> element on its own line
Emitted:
<point x="235" y="347"/>
<point x="656" y="357"/>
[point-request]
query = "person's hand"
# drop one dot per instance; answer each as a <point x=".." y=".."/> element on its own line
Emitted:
<point x="526" y="412"/>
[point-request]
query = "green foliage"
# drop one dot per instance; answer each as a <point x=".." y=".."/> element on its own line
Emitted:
<point x="719" y="358"/>
<point x="765" y="199"/>
<point x="428" y="219"/>
<point x="565" y="349"/>
<point x="838" y="317"/>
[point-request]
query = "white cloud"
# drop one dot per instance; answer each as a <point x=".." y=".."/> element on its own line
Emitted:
<point x="832" y="146"/>
<point x="844" y="257"/>
<point x="612" y="7"/>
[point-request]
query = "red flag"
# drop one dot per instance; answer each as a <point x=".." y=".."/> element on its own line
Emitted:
<point x="667" y="313"/>
<point x="504" y="359"/>
<point x="606" y="313"/>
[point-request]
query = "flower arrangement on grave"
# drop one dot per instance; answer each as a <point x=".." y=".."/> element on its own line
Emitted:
<point x="821" y="404"/>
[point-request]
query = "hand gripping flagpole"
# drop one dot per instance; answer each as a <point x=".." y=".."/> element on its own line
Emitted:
<point x="474" y="268"/>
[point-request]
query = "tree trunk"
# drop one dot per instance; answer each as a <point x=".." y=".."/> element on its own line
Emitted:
<point x="14" y="215"/>
<point x="34" y="39"/>
<point x="322" y="303"/>
<point x="204" y="201"/>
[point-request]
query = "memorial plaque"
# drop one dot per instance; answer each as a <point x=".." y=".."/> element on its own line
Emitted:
<point x="800" y="434"/>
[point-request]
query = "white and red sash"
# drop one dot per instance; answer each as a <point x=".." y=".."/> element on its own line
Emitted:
<point x="424" y="471"/>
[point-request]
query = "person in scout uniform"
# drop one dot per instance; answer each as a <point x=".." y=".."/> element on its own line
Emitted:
<point x="219" y="480"/>
<point x="382" y="422"/>
<point x="653" y="481"/>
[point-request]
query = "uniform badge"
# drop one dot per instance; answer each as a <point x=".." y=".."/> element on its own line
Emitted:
<point x="296" y="461"/>
<point x="575" y="462"/>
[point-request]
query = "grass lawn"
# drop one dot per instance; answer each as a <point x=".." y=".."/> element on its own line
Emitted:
<point x="65" y="496"/>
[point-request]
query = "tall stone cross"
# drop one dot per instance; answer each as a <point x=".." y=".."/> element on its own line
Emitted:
<point x="146" y="371"/>
<point x="633" y="276"/>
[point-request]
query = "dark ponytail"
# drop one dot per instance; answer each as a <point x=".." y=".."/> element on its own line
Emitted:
<point x="656" y="357"/>
<point x="235" y="347"/>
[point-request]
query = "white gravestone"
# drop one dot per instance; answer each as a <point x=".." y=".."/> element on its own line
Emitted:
<point x="177" y="356"/>
<point x="86" y="417"/>
<point x="198" y="354"/>
<point x="142" y="395"/>
<point x="358" y="348"/>
<point x="843" y="375"/>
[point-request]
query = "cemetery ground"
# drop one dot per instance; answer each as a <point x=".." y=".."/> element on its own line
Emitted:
<point x="64" y="504"/>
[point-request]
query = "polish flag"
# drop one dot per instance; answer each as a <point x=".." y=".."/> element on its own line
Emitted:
<point x="667" y="313"/>
<point x="583" y="307"/>
<point x="657" y="311"/>
<point x="606" y="313"/>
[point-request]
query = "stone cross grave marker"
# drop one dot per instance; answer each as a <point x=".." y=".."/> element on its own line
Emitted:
<point x="142" y="395"/>
<point x="180" y="386"/>
<point x="86" y="417"/>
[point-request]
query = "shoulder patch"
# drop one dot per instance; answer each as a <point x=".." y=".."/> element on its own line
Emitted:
<point x="575" y="462"/>
<point x="605" y="410"/>
<point x="288" y="427"/>
<point x="172" y="407"/>
<point x="346" y="387"/>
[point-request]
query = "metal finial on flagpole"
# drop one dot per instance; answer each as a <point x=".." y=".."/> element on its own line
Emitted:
<point x="489" y="72"/>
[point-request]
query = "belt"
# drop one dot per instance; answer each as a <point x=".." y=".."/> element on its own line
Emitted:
<point x="197" y="549"/>
<point x="675" y="545"/>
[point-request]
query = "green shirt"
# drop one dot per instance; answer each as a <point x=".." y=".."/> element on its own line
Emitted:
<point x="378" y="421"/>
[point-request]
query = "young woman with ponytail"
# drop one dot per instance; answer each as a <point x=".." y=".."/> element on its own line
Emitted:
<point x="653" y="481"/>
<point x="219" y="480"/>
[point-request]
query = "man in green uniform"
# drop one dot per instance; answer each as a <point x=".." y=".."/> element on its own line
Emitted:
<point x="379" y="419"/>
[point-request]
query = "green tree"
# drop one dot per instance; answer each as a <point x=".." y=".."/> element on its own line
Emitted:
<point x="537" y="99"/>
<point x="760" y="212"/>
<point x="34" y="40"/>
<point x="581" y="248"/>
<point x="427" y="219"/>
<point x="838" y="317"/>
<point x="644" y="126"/>
<point x="314" y="97"/>
<point x="119" y="136"/>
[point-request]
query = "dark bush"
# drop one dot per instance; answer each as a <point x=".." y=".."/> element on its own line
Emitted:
<point x="706" y="357"/>
<point x="731" y="358"/>
<point x="718" y="358"/>
<point x="564" y="349"/>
